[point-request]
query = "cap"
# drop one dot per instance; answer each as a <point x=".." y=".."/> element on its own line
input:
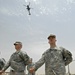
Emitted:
<point x="51" y="35"/>
<point x="17" y="42"/>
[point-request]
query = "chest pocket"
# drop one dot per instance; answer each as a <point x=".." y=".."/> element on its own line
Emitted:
<point x="53" y="55"/>
<point x="16" y="57"/>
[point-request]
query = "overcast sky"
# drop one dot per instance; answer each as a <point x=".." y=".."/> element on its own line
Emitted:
<point x="47" y="17"/>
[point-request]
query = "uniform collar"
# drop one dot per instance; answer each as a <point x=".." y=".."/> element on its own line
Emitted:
<point x="55" y="48"/>
<point x="17" y="51"/>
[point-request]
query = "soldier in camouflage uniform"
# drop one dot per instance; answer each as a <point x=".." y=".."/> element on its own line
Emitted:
<point x="17" y="61"/>
<point x="55" y="59"/>
<point x="2" y="63"/>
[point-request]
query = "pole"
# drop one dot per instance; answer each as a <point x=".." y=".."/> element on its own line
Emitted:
<point x="69" y="70"/>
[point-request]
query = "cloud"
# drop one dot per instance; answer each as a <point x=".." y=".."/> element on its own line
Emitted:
<point x="70" y="1"/>
<point x="10" y="12"/>
<point x="5" y="11"/>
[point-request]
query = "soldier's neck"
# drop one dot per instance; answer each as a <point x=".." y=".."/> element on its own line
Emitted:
<point x="52" y="45"/>
<point x="18" y="49"/>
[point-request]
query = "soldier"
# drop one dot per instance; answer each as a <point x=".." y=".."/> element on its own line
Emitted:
<point x="17" y="61"/>
<point x="30" y="65"/>
<point x="2" y="63"/>
<point x="55" y="59"/>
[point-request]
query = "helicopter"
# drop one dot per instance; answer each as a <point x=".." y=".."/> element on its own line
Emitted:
<point x="28" y="8"/>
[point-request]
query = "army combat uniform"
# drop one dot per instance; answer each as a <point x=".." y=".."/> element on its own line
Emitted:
<point x="55" y="60"/>
<point x="17" y="62"/>
<point x="2" y="63"/>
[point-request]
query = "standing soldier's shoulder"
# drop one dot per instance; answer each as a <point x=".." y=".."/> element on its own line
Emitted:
<point x="12" y="54"/>
<point x="23" y="52"/>
<point x="66" y="51"/>
<point x="62" y="48"/>
<point x="46" y="52"/>
<point x="67" y="56"/>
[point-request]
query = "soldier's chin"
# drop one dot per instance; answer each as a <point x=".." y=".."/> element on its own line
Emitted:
<point x="50" y="42"/>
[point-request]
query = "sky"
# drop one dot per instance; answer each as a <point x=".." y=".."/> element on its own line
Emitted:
<point x="47" y="17"/>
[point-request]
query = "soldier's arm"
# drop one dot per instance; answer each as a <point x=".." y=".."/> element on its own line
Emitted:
<point x="6" y="65"/>
<point x="67" y="55"/>
<point x="28" y="67"/>
<point x="25" y="57"/>
<point x="39" y="63"/>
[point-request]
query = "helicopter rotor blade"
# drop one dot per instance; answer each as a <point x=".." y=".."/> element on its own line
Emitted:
<point x="29" y="3"/>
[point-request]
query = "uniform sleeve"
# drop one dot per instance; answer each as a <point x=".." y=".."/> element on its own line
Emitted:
<point x="39" y="63"/>
<point x="67" y="56"/>
<point x="6" y="65"/>
<point x="3" y="60"/>
<point x="25" y="57"/>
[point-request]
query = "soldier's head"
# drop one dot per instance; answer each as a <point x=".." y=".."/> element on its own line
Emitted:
<point x="18" y="45"/>
<point x="52" y="39"/>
